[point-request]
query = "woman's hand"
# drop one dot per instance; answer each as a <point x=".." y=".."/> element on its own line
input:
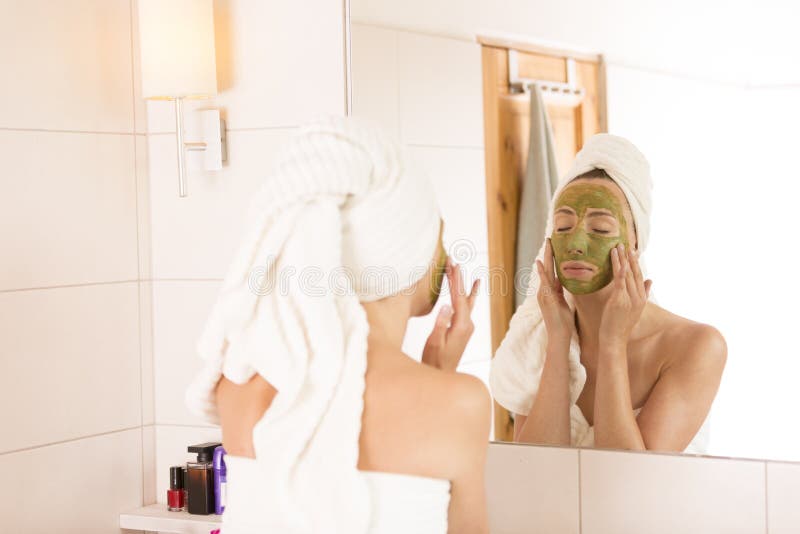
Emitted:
<point x="453" y="326"/>
<point x="558" y="318"/>
<point x="628" y="297"/>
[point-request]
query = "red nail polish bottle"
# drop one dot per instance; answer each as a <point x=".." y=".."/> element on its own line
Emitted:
<point x="175" y="501"/>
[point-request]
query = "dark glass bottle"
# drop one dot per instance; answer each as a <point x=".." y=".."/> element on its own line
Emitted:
<point x="201" y="479"/>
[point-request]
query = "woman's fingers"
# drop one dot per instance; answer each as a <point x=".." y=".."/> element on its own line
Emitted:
<point x="548" y="261"/>
<point x="473" y="294"/>
<point x="439" y="334"/>
<point x="461" y="305"/>
<point x="633" y="259"/>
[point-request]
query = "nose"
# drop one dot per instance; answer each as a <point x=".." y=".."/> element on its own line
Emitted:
<point x="577" y="243"/>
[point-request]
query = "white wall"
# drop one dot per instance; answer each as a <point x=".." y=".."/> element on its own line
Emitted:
<point x="277" y="68"/>
<point x="73" y="240"/>
<point x="719" y="140"/>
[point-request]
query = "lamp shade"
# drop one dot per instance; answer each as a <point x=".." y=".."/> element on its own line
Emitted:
<point x="177" y="49"/>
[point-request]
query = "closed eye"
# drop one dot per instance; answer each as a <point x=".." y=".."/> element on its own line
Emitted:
<point x="563" y="229"/>
<point x="597" y="231"/>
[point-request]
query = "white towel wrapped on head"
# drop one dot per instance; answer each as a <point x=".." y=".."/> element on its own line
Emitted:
<point x="341" y="219"/>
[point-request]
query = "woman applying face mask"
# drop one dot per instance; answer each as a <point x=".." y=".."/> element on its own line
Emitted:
<point x="590" y="359"/>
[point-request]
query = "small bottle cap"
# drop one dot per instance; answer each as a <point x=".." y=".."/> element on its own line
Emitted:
<point x="176" y="477"/>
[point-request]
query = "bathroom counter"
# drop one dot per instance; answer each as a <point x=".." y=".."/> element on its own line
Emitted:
<point x="157" y="518"/>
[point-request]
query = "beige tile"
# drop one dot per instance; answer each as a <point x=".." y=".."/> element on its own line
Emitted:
<point x="532" y="489"/>
<point x="171" y="445"/>
<point x="67" y="209"/>
<point x="78" y="486"/>
<point x="143" y="219"/>
<point x="146" y="351"/>
<point x="68" y="63"/>
<point x="71" y="361"/>
<point x="655" y="493"/>
<point x="783" y="496"/>
<point x="458" y="178"/>
<point x="196" y="236"/>
<point x="277" y="66"/>
<point x="374" y="75"/>
<point x="148" y="464"/>
<point x="181" y="309"/>
<point x="440" y="91"/>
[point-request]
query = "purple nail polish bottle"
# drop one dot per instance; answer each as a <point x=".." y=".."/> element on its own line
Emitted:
<point x="220" y="480"/>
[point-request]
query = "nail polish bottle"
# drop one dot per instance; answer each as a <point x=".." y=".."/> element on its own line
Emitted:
<point x="175" y="502"/>
<point x="220" y="480"/>
<point x="201" y="479"/>
<point x="185" y="486"/>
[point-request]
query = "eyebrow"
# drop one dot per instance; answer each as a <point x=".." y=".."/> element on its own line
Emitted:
<point x="600" y="213"/>
<point x="564" y="209"/>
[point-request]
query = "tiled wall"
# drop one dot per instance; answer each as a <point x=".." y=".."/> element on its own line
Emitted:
<point x="571" y="491"/>
<point x="277" y="67"/>
<point x="72" y="234"/>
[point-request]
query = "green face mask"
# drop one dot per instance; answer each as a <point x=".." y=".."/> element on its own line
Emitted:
<point x="583" y="240"/>
<point x="437" y="273"/>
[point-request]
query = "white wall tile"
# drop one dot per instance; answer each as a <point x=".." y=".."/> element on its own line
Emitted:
<point x="146" y="351"/>
<point x="459" y="180"/>
<point x="441" y="100"/>
<point x="196" y="236"/>
<point x="656" y="493"/>
<point x="277" y="64"/>
<point x="181" y="310"/>
<point x="67" y="209"/>
<point x="171" y="445"/>
<point x="783" y="496"/>
<point x="78" y="486"/>
<point x="71" y="361"/>
<point x="144" y="229"/>
<point x="66" y="65"/>
<point x="532" y="489"/>
<point x="374" y="76"/>
<point x="148" y="464"/>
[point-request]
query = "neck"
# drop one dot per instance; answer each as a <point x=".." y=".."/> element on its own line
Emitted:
<point x="588" y="313"/>
<point x="388" y="319"/>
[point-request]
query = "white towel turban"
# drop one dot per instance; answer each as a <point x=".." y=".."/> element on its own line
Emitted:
<point x="343" y="219"/>
<point x="517" y="366"/>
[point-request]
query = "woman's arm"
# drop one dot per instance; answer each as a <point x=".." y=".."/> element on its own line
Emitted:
<point x="682" y="397"/>
<point x="240" y="407"/>
<point x="548" y="420"/>
<point x="467" y="512"/>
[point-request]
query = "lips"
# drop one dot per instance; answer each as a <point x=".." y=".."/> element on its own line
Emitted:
<point x="578" y="269"/>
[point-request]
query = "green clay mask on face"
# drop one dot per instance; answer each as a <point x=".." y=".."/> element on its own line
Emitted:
<point x="585" y="230"/>
<point x="437" y="272"/>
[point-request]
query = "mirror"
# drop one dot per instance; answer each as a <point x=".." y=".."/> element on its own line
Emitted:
<point x="714" y="113"/>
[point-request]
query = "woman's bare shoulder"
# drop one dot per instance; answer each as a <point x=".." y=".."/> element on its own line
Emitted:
<point x="438" y="419"/>
<point x="690" y="340"/>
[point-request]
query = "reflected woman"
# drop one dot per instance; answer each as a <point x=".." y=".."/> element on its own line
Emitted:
<point x="589" y="358"/>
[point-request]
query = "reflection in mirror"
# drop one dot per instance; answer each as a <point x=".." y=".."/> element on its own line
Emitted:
<point x="501" y="107"/>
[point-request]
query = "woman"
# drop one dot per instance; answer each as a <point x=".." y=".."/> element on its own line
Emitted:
<point x="328" y="426"/>
<point x="589" y="359"/>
